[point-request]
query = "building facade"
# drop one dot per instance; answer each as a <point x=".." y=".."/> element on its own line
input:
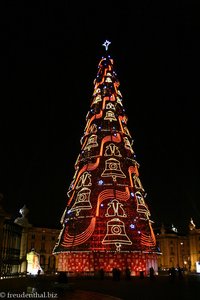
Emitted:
<point x="194" y="242"/>
<point x="175" y="249"/>
<point x="10" y="243"/>
<point x="10" y="248"/>
<point x="42" y="241"/>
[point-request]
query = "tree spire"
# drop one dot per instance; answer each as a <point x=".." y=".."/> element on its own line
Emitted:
<point x="106" y="44"/>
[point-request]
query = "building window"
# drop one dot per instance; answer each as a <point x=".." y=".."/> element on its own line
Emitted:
<point x="171" y="251"/>
<point x="42" y="247"/>
<point x="33" y="236"/>
<point x="43" y="237"/>
<point x="42" y="260"/>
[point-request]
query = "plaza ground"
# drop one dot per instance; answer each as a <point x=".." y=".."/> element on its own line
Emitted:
<point x="81" y="288"/>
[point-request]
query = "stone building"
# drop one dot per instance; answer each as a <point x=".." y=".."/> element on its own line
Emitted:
<point x="174" y="248"/>
<point x="10" y="243"/>
<point x="10" y="248"/>
<point x="42" y="240"/>
<point x="194" y="242"/>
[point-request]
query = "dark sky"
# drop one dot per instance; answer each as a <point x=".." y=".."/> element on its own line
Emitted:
<point x="50" y="52"/>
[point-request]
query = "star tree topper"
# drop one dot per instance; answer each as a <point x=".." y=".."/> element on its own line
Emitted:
<point x="106" y="44"/>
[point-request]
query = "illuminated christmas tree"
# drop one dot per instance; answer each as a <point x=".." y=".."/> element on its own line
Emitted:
<point x="106" y="223"/>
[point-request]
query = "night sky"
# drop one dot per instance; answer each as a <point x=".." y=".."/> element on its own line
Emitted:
<point x="50" y="52"/>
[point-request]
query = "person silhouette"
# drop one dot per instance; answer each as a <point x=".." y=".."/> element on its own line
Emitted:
<point x="128" y="273"/>
<point x="151" y="273"/>
<point x="101" y="272"/>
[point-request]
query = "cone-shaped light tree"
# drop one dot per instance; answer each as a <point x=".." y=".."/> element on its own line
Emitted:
<point x="106" y="223"/>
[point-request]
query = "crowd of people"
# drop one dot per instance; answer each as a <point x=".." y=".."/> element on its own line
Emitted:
<point x="117" y="273"/>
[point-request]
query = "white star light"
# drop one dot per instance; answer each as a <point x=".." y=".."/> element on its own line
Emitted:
<point x="106" y="44"/>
